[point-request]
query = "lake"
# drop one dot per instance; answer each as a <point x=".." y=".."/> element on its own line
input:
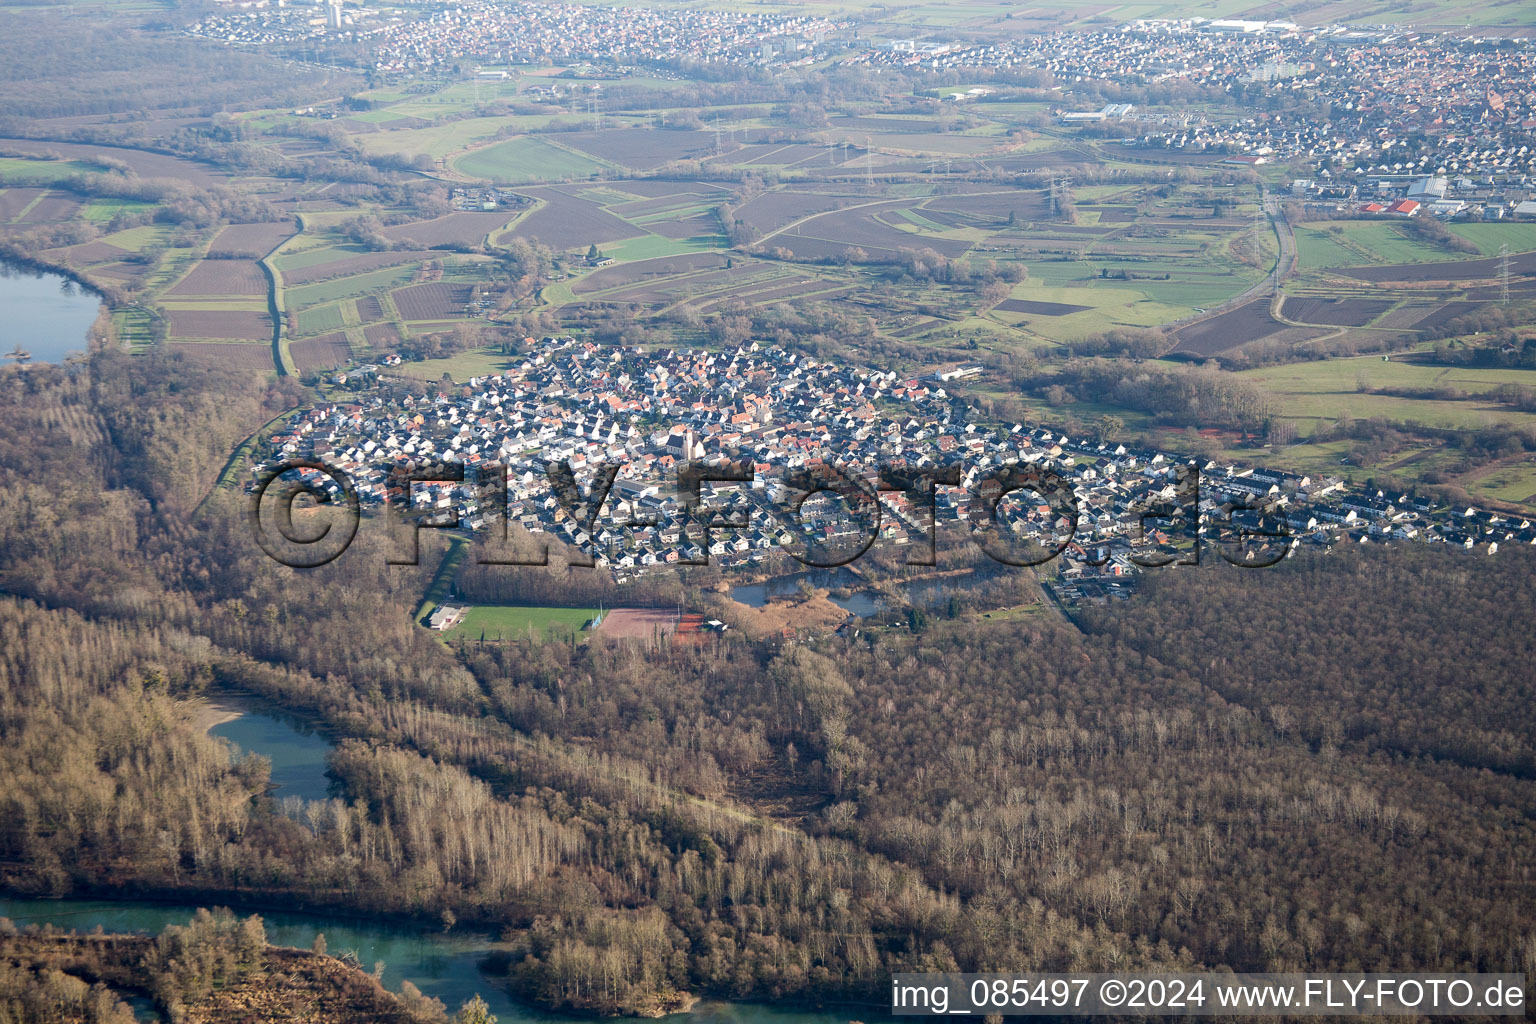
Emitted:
<point x="860" y="603"/>
<point x="43" y="313"/>
<point x="296" y="751"/>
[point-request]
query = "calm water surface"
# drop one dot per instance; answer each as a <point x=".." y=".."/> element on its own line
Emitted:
<point x="45" y="314"/>
<point x="296" y="751"/>
<point x="859" y="602"/>
<point x="444" y="966"/>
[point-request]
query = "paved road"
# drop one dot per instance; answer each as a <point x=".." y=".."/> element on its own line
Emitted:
<point x="1285" y="265"/>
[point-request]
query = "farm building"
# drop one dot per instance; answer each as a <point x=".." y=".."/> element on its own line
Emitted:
<point x="447" y="616"/>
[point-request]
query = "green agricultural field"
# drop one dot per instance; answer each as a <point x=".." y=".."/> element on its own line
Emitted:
<point x="139" y="237"/>
<point x="438" y="141"/>
<point x="645" y="82"/>
<point x="376" y="116"/>
<point x="1318" y="247"/>
<point x="1323" y="391"/>
<point x="106" y="209"/>
<point x="346" y="287"/>
<point x="459" y="367"/>
<point x="1198" y="292"/>
<point x="1110" y="305"/>
<point x="1342" y="375"/>
<point x="384" y="97"/>
<point x="936" y="144"/>
<point x="650" y="246"/>
<point x="464" y="268"/>
<point x="1106" y="193"/>
<point x="133" y="326"/>
<point x="13" y="169"/>
<point x="917" y="220"/>
<point x="1192" y="284"/>
<point x="949" y="15"/>
<point x="297" y="258"/>
<point x="1453" y="14"/>
<point x="1515" y="483"/>
<point x="1085" y="412"/>
<point x="322" y="219"/>
<point x="523" y="160"/>
<point x="320" y="319"/>
<point x="1320" y="458"/>
<point x="455" y="98"/>
<point x="1520" y="237"/>
<point x="1010" y="109"/>
<point x="1032" y="610"/>
<point x="1359" y="243"/>
<point x="679" y="212"/>
<point x="517" y="622"/>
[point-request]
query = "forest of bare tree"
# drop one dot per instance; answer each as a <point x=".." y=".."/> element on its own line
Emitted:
<point x="1326" y="765"/>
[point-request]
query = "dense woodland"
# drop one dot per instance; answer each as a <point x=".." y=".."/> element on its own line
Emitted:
<point x="215" y="968"/>
<point x="1181" y="397"/>
<point x="1328" y="765"/>
<point x="1325" y="765"/>
<point x="56" y="65"/>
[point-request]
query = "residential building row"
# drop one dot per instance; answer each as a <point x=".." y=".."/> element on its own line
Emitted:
<point x="779" y="413"/>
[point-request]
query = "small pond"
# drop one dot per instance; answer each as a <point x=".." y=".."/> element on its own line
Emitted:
<point x="43" y="314"/>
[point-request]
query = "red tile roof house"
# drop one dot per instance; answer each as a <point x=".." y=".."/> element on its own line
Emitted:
<point x="1404" y="207"/>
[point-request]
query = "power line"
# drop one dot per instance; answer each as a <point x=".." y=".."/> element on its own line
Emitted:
<point x="1058" y="190"/>
<point x="1504" y="274"/>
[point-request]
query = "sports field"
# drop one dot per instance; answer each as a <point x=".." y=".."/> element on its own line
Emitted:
<point x="518" y="622"/>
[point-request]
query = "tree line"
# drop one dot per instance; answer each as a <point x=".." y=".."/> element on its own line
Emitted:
<point x="1322" y="766"/>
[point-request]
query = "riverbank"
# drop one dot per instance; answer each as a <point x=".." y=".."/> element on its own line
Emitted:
<point x="52" y="312"/>
<point x="38" y="265"/>
<point x="265" y="983"/>
<point x="203" y="714"/>
<point x="443" y="966"/>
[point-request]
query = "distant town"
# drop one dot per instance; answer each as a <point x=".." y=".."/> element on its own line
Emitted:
<point x="1356" y="100"/>
<point x="1397" y="123"/>
<point x="578" y="404"/>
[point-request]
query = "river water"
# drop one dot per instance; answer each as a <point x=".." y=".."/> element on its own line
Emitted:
<point x="45" y="314"/>
<point x="444" y="966"/>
